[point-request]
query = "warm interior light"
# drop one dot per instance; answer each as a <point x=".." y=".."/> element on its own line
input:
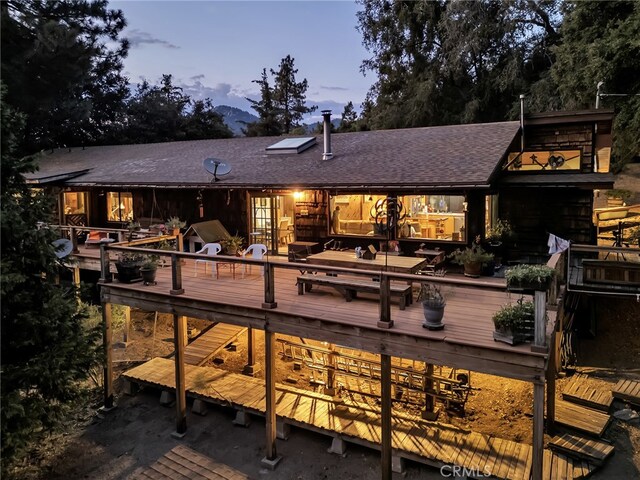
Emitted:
<point x="297" y="195"/>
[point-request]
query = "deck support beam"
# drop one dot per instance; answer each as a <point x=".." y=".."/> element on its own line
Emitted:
<point x="551" y="387"/>
<point x="179" y="332"/>
<point x="385" y="390"/>
<point x="107" y="343"/>
<point x="538" y="431"/>
<point x="271" y="458"/>
<point x="127" y="324"/>
<point x="250" y="368"/>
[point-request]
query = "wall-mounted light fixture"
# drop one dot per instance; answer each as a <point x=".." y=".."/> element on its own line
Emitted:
<point x="297" y="195"/>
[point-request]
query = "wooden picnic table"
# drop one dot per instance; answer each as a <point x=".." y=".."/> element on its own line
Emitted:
<point x="388" y="263"/>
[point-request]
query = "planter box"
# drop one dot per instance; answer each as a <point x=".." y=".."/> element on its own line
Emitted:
<point x="611" y="272"/>
<point x="514" y="337"/>
<point x="128" y="273"/>
<point x="540" y="286"/>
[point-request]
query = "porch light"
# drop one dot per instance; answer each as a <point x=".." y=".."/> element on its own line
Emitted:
<point x="297" y="195"/>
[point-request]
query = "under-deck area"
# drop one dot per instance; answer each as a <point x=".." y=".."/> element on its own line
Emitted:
<point x="266" y="297"/>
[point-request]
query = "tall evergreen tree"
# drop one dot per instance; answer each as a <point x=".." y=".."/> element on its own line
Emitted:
<point x="267" y="124"/>
<point x="289" y="96"/>
<point x="62" y="63"/>
<point x="46" y="349"/>
<point x="600" y="43"/>
<point x="441" y="62"/>
<point x="348" y="119"/>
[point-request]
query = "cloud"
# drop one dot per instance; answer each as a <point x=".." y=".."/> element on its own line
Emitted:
<point x="335" y="89"/>
<point x="138" y="38"/>
<point x="220" y="94"/>
<point x="197" y="77"/>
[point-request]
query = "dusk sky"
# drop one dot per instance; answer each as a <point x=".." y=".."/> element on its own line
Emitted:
<point x="216" y="48"/>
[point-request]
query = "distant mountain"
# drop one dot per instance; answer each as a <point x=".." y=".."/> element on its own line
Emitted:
<point x="314" y="127"/>
<point x="233" y="117"/>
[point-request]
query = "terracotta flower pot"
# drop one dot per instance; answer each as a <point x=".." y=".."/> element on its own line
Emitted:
<point x="473" y="269"/>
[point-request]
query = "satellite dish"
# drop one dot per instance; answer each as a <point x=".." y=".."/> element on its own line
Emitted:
<point x="63" y="247"/>
<point x="216" y="167"/>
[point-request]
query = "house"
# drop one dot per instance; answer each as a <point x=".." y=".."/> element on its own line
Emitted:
<point x="438" y="185"/>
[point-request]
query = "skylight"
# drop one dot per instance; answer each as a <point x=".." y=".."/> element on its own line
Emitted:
<point x="292" y="145"/>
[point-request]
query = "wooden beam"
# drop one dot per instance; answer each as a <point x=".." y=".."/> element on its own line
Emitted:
<point x="269" y="286"/>
<point x="107" y="334"/>
<point x="179" y="331"/>
<point x="270" y="386"/>
<point x="385" y="391"/>
<point x="551" y="386"/>
<point x="127" y="323"/>
<point x="540" y="305"/>
<point x="538" y="431"/>
<point x="176" y="275"/>
<point x="105" y="265"/>
<point x="385" y="303"/>
<point x="250" y="367"/>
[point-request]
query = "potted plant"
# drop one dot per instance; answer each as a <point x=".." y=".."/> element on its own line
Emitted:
<point x="529" y="277"/>
<point x="514" y="323"/>
<point x="499" y="232"/>
<point x="472" y="258"/>
<point x="149" y="268"/>
<point x="232" y="244"/>
<point x="174" y="224"/>
<point x="128" y="266"/>
<point x="433" y="303"/>
<point x="617" y="197"/>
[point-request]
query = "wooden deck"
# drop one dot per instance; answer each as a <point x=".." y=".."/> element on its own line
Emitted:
<point x="592" y="451"/>
<point x="577" y="391"/>
<point x="210" y="342"/>
<point x="466" y="341"/>
<point x="581" y="418"/>
<point x="430" y="443"/>
<point x="627" y="391"/>
<point x="183" y="463"/>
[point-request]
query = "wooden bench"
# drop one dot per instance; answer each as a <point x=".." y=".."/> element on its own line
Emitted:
<point x="349" y="287"/>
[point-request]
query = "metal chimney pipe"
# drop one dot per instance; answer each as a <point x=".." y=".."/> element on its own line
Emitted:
<point x="600" y="84"/>
<point x="326" y="116"/>
<point x="521" y="123"/>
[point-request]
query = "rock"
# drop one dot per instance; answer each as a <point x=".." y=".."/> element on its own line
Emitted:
<point x="626" y="415"/>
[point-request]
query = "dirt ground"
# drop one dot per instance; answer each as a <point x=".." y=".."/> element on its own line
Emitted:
<point x="136" y="433"/>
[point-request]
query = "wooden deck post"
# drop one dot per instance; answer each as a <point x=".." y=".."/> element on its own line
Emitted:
<point x="107" y="339"/>
<point x="540" y="325"/>
<point x="551" y="386"/>
<point x="429" y="412"/>
<point x="269" y="286"/>
<point x="176" y="276"/>
<point x="538" y="430"/>
<point x="329" y="388"/>
<point x="179" y="331"/>
<point x="179" y="243"/>
<point x="250" y="367"/>
<point x="105" y="273"/>
<point x="127" y="324"/>
<point x="385" y="303"/>
<point x="74" y="240"/>
<point x="271" y="458"/>
<point x="385" y="391"/>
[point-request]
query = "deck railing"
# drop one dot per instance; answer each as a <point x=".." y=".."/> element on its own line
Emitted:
<point x="269" y="266"/>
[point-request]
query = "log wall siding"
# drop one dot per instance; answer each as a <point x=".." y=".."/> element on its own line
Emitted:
<point x="564" y="137"/>
<point x="565" y="212"/>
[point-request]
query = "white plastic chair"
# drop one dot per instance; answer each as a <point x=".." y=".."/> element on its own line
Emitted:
<point x="257" y="251"/>
<point x="211" y="249"/>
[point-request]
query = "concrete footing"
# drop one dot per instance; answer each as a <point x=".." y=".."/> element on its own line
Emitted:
<point x="130" y="388"/>
<point x="199" y="407"/>
<point x="338" y="446"/>
<point x="397" y="464"/>
<point x="271" y="464"/>
<point x="177" y="435"/>
<point x="250" y="370"/>
<point x="167" y="398"/>
<point x="242" y="419"/>
<point x="282" y="430"/>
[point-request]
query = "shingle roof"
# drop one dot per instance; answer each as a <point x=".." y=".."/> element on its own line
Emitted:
<point x="447" y="155"/>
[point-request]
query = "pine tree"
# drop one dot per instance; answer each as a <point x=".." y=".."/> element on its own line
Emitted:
<point x="267" y="124"/>
<point x="62" y="64"/>
<point x="349" y="118"/>
<point x="289" y="96"/>
<point x="46" y="349"/>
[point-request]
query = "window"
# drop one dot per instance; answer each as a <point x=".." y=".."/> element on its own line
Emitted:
<point x="119" y="206"/>
<point x="354" y="214"/>
<point x="74" y="203"/>
<point x="436" y="217"/>
<point x="547" y="161"/>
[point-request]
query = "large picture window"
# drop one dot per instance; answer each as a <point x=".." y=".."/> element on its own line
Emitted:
<point x="119" y="206"/>
<point x="353" y="214"/>
<point x="433" y="217"/>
